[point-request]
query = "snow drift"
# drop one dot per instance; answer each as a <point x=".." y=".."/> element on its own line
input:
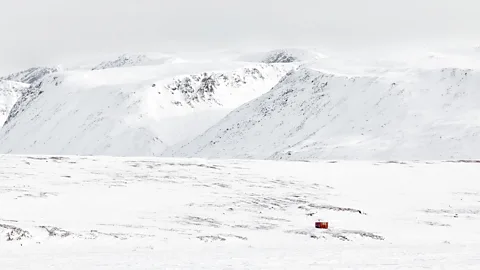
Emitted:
<point x="136" y="110"/>
<point x="310" y="114"/>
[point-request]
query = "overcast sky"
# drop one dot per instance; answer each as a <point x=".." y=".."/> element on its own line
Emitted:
<point x="34" y="32"/>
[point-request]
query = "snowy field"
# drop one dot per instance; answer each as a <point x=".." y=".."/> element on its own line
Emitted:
<point x="145" y="213"/>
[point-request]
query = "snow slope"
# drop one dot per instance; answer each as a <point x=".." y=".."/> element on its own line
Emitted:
<point x="126" y="213"/>
<point x="380" y="114"/>
<point x="13" y="86"/>
<point x="9" y="93"/>
<point x="137" y="110"/>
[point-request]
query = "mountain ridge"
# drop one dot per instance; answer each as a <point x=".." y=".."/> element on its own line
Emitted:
<point x="311" y="114"/>
<point x="129" y="111"/>
<point x="31" y="75"/>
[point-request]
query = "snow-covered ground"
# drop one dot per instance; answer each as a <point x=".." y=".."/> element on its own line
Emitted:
<point x="147" y="213"/>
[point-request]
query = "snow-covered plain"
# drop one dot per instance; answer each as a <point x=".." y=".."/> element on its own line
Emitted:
<point x="150" y="213"/>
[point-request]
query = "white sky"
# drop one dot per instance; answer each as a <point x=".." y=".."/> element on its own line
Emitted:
<point x="35" y="32"/>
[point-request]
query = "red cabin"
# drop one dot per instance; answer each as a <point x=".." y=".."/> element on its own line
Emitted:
<point x="321" y="225"/>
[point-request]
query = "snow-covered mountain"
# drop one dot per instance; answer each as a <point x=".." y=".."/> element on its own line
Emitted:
<point x="10" y="91"/>
<point x="312" y="114"/>
<point x="130" y="60"/>
<point x="136" y="110"/>
<point x="287" y="55"/>
<point x="326" y="107"/>
<point x="31" y="75"/>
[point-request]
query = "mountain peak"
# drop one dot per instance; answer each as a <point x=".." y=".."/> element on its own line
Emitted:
<point x="286" y="55"/>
